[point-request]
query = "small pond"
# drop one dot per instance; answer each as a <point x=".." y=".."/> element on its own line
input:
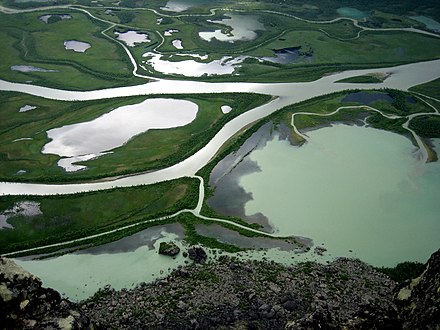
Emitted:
<point x="131" y="38"/>
<point x="170" y="32"/>
<point x="177" y="44"/>
<point x="76" y="46"/>
<point x="25" y="209"/>
<point x="182" y="5"/>
<point x="193" y="68"/>
<point x="26" y="108"/>
<point x="288" y="55"/>
<point x="30" y="68"/>
<point x="243" y="28"/>
<point x="55" y="17"/>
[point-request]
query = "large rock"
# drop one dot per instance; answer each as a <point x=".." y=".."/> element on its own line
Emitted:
<point x="420" y="299"/>
<point x="169" y="249"/>
<point x="197" y="254"/>
<point x="25" y="304"/>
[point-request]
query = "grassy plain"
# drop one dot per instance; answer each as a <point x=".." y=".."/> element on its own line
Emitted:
<point x="29" y="41"/>
<point x="431" y="89"/>
<point x="150" y="150"/>
<point x="66" y="217"/>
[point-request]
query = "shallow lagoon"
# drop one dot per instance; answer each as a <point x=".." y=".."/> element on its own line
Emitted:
<point x="350" y="188"/>
<point x="121" y="264"/>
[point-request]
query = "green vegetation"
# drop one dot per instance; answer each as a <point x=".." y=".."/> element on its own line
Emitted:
<point x="367" y="79"/>
<point x="32" y="42"/>
<point x="67" y="217"/>
<point x="193" y="238"/>
<point x="431" y="88"/>
<point x="151" y="150"/>
<point x="403" y="271"/>
<point x="426" y="126"/>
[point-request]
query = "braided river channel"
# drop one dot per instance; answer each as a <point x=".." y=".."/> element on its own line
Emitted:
<point x="359" y="191"/>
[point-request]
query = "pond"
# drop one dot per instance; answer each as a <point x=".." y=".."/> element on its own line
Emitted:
<point x="131" y="38"/>
<point x="76" y="46"/>
<point x="46" y="18"/>
<point x="288" y="55"/>
<point x="242" y="28"/>
<point x="24" y="208"/>
<point x="357" y="191"/>
<point x="182" y="5"/>
<point x="193" y="68"/>
<point x="93" y="138"/>
<point x="30" y="68"/>
<point x="177" y="44"/>
<point x="121" y="264"/>
<point x="27" y="108"/>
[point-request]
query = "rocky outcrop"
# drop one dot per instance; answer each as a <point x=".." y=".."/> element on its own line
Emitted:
<point x="253" y="295"/>
<point x="232" y="294"/>
<point x="25" y="304"/>
<point x="419" y="300"/>
<point x="197" y="254"/>
<point x="169" y="249"/>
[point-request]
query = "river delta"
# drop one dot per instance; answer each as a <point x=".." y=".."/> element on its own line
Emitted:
<point x="350" y="190"/>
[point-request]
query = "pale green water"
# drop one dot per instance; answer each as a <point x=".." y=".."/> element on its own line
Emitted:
<point x="78" y="276"/>
<point x="350" y="188"/>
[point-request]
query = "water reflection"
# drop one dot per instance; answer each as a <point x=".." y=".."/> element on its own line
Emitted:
<point x="131" y="38"/>
<point x="242" y="28"/>
<point x="115" y="128"/>
<point x="76" y="46"/>
<point x="349" y="188"/>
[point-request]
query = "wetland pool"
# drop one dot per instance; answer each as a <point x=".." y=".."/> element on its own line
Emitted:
<point x="121" y="264"/>
<point x="353" y="190"/>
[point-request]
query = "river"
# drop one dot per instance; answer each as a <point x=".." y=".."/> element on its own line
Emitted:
<point x="402" y="77"/>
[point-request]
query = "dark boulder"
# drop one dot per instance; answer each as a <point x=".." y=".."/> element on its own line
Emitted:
<point x="197" y="254"/>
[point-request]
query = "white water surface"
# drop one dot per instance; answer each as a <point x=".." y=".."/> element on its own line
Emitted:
<point x="131" y="38"/>
<point x="116" y="127"/>
<point x="242" y="28"/>
<point x="76" y="46"/>
<point x="192" y="68"/>
<point x="350" y="188"/>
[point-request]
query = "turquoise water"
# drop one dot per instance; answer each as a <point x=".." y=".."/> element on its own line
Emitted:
<point x="350" y="188"/>
<point x="351" y="13"/>
<point x="79" y="275"/>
